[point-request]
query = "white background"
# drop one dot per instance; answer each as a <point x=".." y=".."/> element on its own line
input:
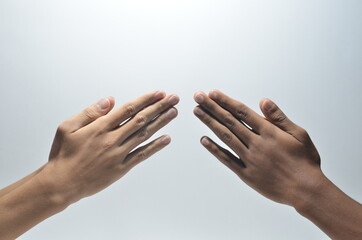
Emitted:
<point x="57" y="57"/>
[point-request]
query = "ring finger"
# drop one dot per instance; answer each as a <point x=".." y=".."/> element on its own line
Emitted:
<point x="221" y="131"/>
<point x="146" y="132"/>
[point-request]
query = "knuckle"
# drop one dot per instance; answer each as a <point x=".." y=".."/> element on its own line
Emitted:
<point x="226" y="137"/>
<point x="142" y="155"/>
<point x="143" y="134"/>
<point x="303" y="133"/>
<point x="122" y="153"/>
<point x="242" y="112"/>
<point x="141" y="120"/>
<point x="229" y="121"/>
<point x="62" y="128"/>
<point x="215" y="150"/>
<point x="224" y="102"/>
<point x="279" y="118"/>
<point x="130" y="109"/>
<point x="251" y="142"/>
<point x="224" y="157"/>
<point x="108" y="144"/>
<point x="90" y="113"/>
<point x="209" y="106"/>
<point x="207" y="120"/>
<point x="161" y="106"/>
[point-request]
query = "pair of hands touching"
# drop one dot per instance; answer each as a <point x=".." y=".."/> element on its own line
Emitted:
<point x="96" y="147"/>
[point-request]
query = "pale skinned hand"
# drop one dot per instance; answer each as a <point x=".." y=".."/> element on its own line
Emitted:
<point x="94" y="149"/>
<point x="102" y="107"/>
<point x="275" y="157"/>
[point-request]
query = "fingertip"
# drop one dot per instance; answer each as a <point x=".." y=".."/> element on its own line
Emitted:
<point x="198" y="111"/>
<point x="172" y="113"/>
<point x="176" y="111"/>
<point x="165" y="140"/>
<point x="177" y="97"/>
<point x="104" y="104"/>
<point x="196" y="93"/>
<point x="199" y="96"/>
<point x="159" y="94"/>
<point x="111" y="101"/>
<point x="261" y="102"/>
<point x="267" y="105"/>
<point x="205" y="141"/>
<point x="214" y="94"/>
<point x="173" y="99"/>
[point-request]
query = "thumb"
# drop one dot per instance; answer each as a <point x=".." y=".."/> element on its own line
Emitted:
<point x="90" y="114"/>
<point x="274" y="115"/>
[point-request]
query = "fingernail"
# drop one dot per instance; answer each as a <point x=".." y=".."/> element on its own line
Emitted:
<point x="199" y="98"/>
<point x="205" y="141"/>
<point x="103" y="104"/>
<point x="171" y="113"/>
<point x="213" y="94"/>
<point x="199" y="111"/>
<point x="173" y="100"/>
<point x="268" y="105"/>
<point x="159" y="94"/>
<point x="165" y="140"/>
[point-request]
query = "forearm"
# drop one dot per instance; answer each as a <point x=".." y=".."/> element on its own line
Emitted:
<point x="25" y="207"/>
<point x="339" y="216"/>
<point x="13" y="186"/>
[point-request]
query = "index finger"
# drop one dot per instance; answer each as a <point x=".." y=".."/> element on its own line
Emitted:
<point x="131" y="108"/>
<point x="238" y="109"/>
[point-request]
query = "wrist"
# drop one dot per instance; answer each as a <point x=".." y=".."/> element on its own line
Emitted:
<point x="52" y="188"/>
<point x="311" y="193"/>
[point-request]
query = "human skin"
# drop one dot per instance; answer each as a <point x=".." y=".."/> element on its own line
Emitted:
<point x="90" y="151"/>
<point x="278" y="159"/>
<point x="13" y="186"/>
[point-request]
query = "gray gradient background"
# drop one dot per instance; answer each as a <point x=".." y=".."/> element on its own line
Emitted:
<point x="57" y="57"/>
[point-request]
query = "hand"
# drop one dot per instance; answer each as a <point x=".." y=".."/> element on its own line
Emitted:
<point x="91" y="114"/>
<point x="274" y="156"/>
<point x="92" y="150"/>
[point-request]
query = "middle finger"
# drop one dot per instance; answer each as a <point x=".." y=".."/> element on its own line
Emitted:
<point x="145" y="116"/>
